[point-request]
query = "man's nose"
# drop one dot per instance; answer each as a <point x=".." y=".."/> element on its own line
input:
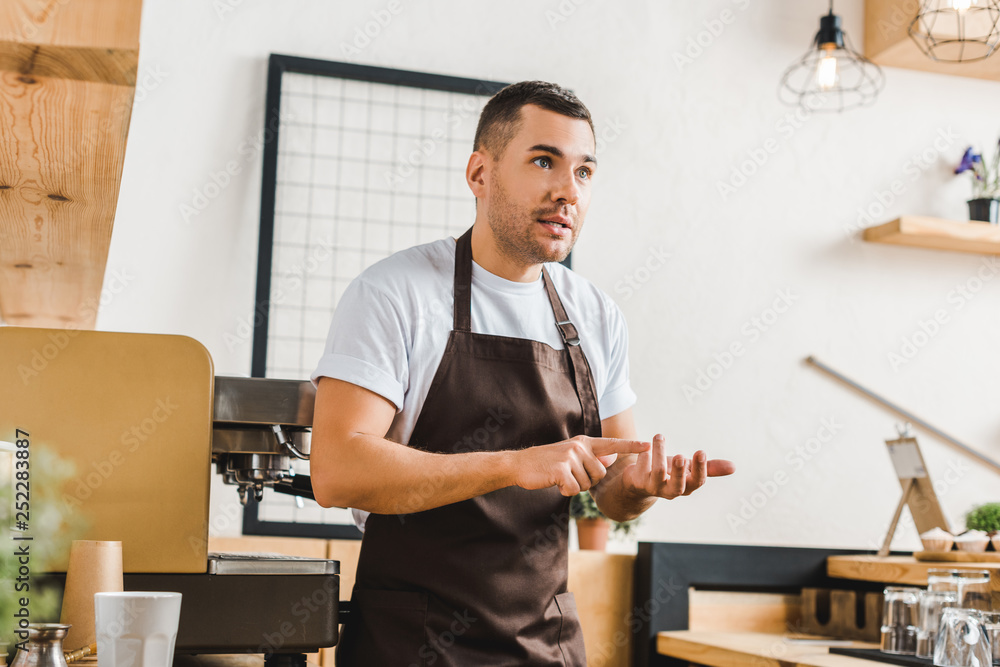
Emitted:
<point x="567" y="189"/>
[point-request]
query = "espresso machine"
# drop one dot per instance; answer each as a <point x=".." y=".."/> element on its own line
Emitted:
<point x="143" y="419"/>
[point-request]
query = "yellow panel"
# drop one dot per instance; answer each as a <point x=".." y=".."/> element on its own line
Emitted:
<point x="134" y="412"/>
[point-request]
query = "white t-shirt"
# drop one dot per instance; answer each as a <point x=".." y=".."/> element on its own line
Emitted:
<point x="391" y="326"/>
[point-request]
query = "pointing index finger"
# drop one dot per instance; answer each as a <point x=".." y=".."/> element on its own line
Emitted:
<point x="605" y="446"/>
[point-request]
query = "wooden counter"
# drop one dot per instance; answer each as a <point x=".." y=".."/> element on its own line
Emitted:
<point x="737" y="649"/>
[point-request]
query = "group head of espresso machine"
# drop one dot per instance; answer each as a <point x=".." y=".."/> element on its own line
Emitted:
<point x="260" y="427"/>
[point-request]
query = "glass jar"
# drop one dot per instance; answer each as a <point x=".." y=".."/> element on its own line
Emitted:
<point x="899" y="620"/>
<point x="962" y="639"/>
<point x="932" y="605"/>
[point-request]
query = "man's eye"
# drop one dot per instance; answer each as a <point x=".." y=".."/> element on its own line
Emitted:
<point x="539" y="160"/>
<point x="584" y="173"/>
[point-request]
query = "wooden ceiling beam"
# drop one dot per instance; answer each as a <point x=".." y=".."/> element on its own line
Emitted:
<point x="67" y="79"/>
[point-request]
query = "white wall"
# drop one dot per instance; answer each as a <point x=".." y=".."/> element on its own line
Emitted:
<point x="790" y="228"/>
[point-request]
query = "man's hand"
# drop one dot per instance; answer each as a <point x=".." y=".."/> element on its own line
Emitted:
<point x="573" y="465"/>
<point x="655" y="474"/>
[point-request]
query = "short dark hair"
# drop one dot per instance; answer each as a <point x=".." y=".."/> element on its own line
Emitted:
<point x="501" y="117"/>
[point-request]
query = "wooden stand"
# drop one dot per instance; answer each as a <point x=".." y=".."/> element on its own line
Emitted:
<point x="918" y="491"/>
<point x="903" y="501"/>
<point x="842" y="622"/>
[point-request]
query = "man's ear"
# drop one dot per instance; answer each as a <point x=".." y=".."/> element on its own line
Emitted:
<point x="475" y="173"/>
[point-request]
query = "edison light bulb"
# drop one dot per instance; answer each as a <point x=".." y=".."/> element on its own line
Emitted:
<point x="962" y="5"/>
<point x="826" y="72"/>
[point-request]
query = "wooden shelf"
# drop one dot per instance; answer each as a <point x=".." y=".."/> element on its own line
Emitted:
<point x="903" y="570"/>
<point x="938" y="234"/>
<point x="887" y="43"/>
<point x="737" y="649"/>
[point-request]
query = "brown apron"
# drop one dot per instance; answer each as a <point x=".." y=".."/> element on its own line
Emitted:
<point x="482" y="581"/>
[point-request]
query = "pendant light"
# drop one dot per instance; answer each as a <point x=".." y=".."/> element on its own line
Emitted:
<point x="831" y="76"/>
<point x="957" y="31"/>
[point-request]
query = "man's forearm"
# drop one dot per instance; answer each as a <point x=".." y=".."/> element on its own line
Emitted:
<point x="385" y="477"/>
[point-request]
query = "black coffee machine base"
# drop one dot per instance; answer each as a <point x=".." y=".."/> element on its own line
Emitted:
<point x="268" y="614"/>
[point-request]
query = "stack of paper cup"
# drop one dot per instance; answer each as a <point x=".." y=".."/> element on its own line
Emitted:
<point x="94" y="567"/>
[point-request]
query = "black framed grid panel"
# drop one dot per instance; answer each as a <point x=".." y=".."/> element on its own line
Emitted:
<point x="359" y="162"/>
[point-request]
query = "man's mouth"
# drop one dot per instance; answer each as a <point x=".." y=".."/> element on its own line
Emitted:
<point x="557" y="224"/>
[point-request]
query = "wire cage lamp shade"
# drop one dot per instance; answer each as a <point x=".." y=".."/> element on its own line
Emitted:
<point x="832" y="76"/>
<point x="957" y="31"/>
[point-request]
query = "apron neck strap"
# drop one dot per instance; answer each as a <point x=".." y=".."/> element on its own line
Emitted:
<point x="570" y="336"/>
<point x="463" y="282"/>
<point x="463" y="294"/>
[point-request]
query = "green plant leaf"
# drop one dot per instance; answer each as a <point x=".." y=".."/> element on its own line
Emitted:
<point x="985" y="517"/>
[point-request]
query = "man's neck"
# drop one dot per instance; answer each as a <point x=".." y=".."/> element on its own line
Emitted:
<point x="488" y="255"/>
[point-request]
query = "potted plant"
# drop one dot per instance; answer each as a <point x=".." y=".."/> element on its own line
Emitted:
<point x="592" y="526"/>
<point x="985" y="203"/>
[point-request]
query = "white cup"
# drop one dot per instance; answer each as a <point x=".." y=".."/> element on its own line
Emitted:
<point x="136" y="629"/>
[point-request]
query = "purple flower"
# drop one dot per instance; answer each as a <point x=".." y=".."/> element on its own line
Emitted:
<point x="968" y="160"/>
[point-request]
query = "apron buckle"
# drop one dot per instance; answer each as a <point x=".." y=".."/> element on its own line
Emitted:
<point x="569" y="333"/>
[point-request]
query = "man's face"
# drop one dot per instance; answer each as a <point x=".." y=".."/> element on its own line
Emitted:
<point x="539" y="190"/>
